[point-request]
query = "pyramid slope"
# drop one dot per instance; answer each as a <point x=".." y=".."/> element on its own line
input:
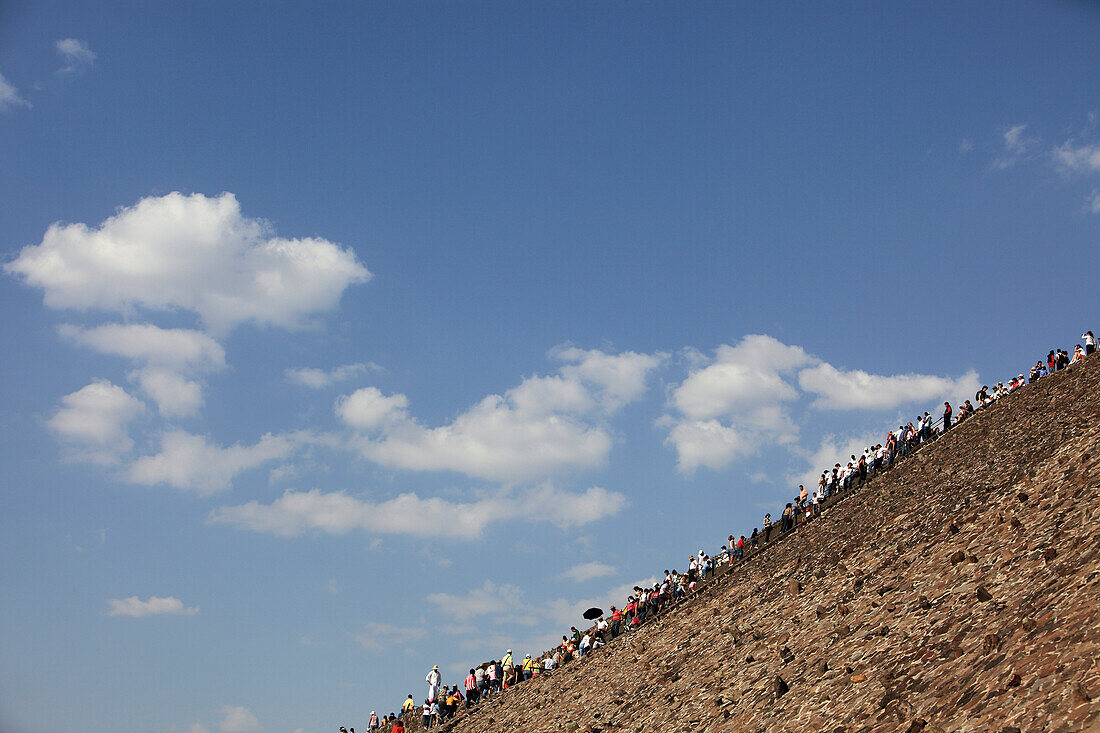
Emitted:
<point x="959" y="592"/>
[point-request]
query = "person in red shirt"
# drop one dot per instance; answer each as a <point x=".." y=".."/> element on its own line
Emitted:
<point x="397" y="727"/>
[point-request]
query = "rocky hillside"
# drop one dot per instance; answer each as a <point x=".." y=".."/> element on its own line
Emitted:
<point x="958" y="592"/>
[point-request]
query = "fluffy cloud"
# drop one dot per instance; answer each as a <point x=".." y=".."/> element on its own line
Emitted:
<point x="134" y="607"/>
<point x="192" y="462"/>
<point x="369" y="409"/>
<point x="543" y="426"/>
<point x="167" y="355"/>
<point x="732" y="404"/>
<point x="496" y="440"/>
<point x="9" y="95"/>
<point x="92" y="422"/>
<point x="198" y="728"/>
<point x="337" y="513"/>
<point x="75" y="54"/>
<point x="174" y="348"/>
<point x="237" y="719"/>
<point x="588" y="571"/>
<point x="741" y="379"/>
<point x="376" y="635"/>
<point x="319" y="378"/>
<point x="618" y="378"/>
<point x="858" y="390"/>
<point x="189" y="252"/>
<point x="1093" y="202"/>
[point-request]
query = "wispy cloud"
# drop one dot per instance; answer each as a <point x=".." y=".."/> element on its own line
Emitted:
<point x="320" y="378"/>
<point x="75" y="55"/>
<point x="134" y="607"/>
<point x="588" y="571"/>
<point x="9" y="95"/>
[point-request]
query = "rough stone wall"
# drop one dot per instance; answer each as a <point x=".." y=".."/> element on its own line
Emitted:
<point x="958" y="592"/>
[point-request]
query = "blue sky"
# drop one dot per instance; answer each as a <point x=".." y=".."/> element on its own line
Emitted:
<point x="350" y="339"/>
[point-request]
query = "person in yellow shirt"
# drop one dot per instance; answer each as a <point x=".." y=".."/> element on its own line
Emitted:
<point x="408" y="705"/>
<point x="527" y="667"/>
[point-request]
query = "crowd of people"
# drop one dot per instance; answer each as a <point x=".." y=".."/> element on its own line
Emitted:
<point x="494" y="677"/>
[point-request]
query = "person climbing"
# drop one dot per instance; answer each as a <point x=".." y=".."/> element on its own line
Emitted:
<point x="946" y="416"/>
<point x="433" y="679"/>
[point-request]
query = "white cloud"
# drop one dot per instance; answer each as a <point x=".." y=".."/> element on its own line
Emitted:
<point x="1078" y="157"/>
<point x="740" y="379"/>
<point x="588" y="571"/>
<point x="134" y="607"/>
<point x="513" y="438"/>
<point x="337" y="513"/>
<point x="167" y="354"/>
<point x="169" y="348"/>
<point x="92" y="421"/>
<point x="198" y="728"/>
<point x="237" y="719"/>
<point x="192" y="462"/>
<point x="1093" y="203"/>
<point x="9" y="95"/>
<point x="730" y="405"/>
<point x="1017" y="146"/>
<point x="75" y="54"/>
<point x="189" y="252"/>
<point x="619" y="378"/>
<point x="488" y="600"/>
<point x="376" y="635"/>
<point x="369" y="409"/>
<point x="544" y="426"/>
<point x="175" y="394"/>
<point x="858" y="390"/>
<point x="319" y="378"/>
<point x="709" y="444"/>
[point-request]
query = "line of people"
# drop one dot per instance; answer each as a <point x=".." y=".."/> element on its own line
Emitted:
<point x="497" y="676"/>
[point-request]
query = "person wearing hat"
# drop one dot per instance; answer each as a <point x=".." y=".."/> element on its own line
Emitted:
<point x="433" y="679"/>
<point x="372" y="722"/>
<point x="527" y="663"/>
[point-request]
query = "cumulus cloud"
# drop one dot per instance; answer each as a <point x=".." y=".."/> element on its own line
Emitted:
<point x="858" y="390"/>
<point x="167" y="356"/>
<point x="588" y="571"/>
<point x="543" y="426"/>
<point x="369" y="409"/>
<point x="192" y="253"/>
<point x="192" y="462"/>
<point x="134" y="607"/>
<point x="319" y="378"/>
<point x="75" y="55"/>
<point x="174" y="348"/>
<point x="731" y="404"/>
<point x="377" y="635"/>
<point x="237" y="719"/>
<point x="92" y="422"/>
<point x="297" y="512"/>
<point x="9" y="96"/>
<point x="618" y="378"/>
<point x="198" y="728"/>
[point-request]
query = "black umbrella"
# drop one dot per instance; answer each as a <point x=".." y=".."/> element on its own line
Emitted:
<point x="593" y="613"/>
